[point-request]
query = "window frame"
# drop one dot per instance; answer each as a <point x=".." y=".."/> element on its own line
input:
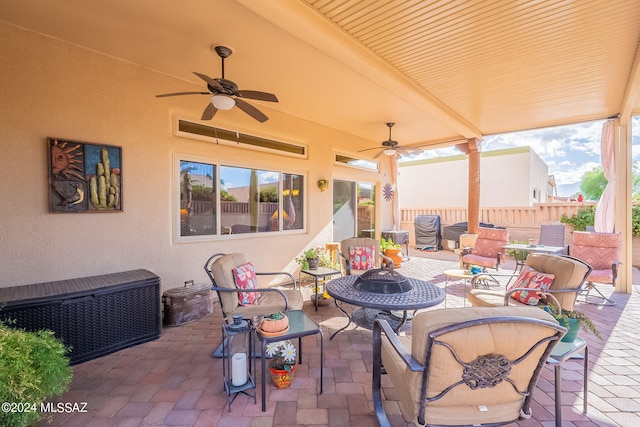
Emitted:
<point x="218" y="164"/>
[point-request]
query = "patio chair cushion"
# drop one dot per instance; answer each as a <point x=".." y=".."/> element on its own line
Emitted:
<point x="362" y="257"/>
<point x="534" y="280"/>
<point x="268" y="302"/>
<point x="488" y="245"/>
<point x="244" y="277"/>
<point x="570" y="274"/>
<point x="486" y="339"/>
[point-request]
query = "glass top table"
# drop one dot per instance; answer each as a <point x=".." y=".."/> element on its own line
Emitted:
<point x="300" y="325"/>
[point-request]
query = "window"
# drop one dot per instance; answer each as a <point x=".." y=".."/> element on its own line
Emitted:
<point x="220" y="200"/>
<point x="197" y="198"/>
<point x="345" y="160"/>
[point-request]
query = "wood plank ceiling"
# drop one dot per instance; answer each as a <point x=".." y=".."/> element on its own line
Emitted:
<point x="503" y="65"/>
<point x="441" y="69"/>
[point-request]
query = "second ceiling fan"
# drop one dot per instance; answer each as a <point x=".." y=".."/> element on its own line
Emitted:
<point x="391" y="147"/>
<point x="225" y="93"/>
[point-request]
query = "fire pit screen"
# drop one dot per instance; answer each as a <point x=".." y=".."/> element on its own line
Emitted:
<point x="382" y="281"/>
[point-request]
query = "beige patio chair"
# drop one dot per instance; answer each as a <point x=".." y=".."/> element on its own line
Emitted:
<point x="220" y="269"/>
<point x="569" y="276"/>
<point x="360" y="254"/>
<point x="464" y="366"/>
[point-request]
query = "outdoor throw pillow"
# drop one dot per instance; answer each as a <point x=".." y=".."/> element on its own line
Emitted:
<point x="534" y="280"/>
<point x="362" y="257"/>
<point x="245" y="278"/>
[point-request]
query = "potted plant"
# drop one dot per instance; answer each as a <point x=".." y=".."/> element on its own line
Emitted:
<point x="321" y="256"/>
<point x="33" y="367"/>
<point x="391" y="250"/>
<point x="283" y="362"/>
<point x="309" y="259"/>
<point x="274" y="322"/>
<point x="572" y="320"/>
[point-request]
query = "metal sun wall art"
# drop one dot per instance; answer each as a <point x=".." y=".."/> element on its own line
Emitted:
<point x="387" y="191"/>
<point x="84" y="177"/>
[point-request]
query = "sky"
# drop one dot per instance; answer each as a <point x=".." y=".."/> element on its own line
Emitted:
<point x="569" y="151"/>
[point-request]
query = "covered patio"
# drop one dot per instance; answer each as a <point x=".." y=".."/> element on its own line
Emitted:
<point x="447" y="73"/>
<point x="174" y="381"/>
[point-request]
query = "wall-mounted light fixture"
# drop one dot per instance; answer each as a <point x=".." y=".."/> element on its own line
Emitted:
<point x="323" y="184"/>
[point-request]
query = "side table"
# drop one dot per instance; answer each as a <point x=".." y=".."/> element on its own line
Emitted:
<point x="561" y="353"/>
<point x="300" y="325"/>
<point x="320" y="272"/>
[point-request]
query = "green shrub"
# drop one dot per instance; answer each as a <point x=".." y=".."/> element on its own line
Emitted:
<point x="33" y="367"/>
<point x="586" y="217"/>
<point x="580" y="221"/>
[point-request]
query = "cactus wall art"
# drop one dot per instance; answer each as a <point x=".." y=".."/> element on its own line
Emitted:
<point x="84" y="177"/>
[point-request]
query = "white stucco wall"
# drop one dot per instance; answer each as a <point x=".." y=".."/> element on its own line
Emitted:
<point x="507" y="178"/>
<point x="54" y="89"/>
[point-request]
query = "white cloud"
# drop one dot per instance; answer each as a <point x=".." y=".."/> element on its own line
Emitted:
<point x="569" y="151"/>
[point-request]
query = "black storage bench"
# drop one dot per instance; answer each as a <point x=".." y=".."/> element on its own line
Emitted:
<point x="94" y="315"/>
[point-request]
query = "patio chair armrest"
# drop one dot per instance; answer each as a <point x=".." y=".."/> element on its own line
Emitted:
<point x="286" y="300"/>
<point x="381" y="325"/>
<point x="347" y="263"/>
<point x="388" y="260"/>
<point x="278" y="273"/>
<point x="614" y="270"/>
<point x="493" y="276"/>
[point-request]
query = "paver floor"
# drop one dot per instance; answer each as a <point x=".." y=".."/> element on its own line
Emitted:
<point x="174" y="381"/>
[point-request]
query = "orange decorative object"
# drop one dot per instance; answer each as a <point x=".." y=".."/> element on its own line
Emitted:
<point x="282" y="378"/>
<point x="274" y="324"/>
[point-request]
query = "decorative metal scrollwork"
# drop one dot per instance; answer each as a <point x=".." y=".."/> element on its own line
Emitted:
<point x="486" y="371"/>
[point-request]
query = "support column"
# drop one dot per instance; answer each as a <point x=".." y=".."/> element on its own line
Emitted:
<point x="623" y="203"/>
<point x="470" y="148"/>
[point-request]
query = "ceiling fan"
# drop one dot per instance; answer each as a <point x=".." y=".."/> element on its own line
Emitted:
<point x="226" y="95"/>
<point x="391" y="147"/>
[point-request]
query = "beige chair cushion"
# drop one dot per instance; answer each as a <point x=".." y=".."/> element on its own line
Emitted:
<point x="569" y="274"/>
<point x="469" y="343"/>
<point x="269" y="302"/>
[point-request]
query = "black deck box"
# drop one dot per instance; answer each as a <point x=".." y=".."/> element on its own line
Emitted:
<point x="94" y="315"/>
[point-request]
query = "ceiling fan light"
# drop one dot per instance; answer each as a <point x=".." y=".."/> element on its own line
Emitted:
<point x="389" y="152"/>
<point x="222" y="102"/>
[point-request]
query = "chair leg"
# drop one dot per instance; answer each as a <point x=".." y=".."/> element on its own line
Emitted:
<point x="376" y="389"/>
<point x="604" y="300"/>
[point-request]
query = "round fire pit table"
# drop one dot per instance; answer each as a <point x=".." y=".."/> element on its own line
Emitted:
<point x="383" y="290"/>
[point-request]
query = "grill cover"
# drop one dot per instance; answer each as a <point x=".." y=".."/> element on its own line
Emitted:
<point x="428" y="231"/>
<point x="382" y="281"/>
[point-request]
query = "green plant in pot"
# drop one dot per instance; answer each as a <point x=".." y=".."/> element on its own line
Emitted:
<point x="573" y="321"/>
<point x="33" y="367"/>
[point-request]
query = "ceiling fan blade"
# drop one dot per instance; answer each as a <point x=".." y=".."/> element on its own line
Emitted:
<point x="257" y="95"/>
<point x="209" y="81"/>
<point x="209" y="112"/>
<point x="378" y="154"/>
<point x="182" y="93"/>
<point x="369" y="149"/>
<point x="402" y="151"/>
<point x="251" y="110"/>
<point x="410" y="149"/>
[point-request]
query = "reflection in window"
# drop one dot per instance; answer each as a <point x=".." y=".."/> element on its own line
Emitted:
<point x="197" y="199"/>
<point x="366" y="219"/>
<point x="250" y="201"/>
<point x="292" y="201"/>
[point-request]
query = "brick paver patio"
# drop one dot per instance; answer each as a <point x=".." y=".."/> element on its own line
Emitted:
<point x="174" y="381"/>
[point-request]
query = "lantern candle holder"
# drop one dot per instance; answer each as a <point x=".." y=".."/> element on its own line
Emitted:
<point x="238" y="361"/>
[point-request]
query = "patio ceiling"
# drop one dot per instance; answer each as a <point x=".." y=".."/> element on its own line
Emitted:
<point x="442" y="70"/>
